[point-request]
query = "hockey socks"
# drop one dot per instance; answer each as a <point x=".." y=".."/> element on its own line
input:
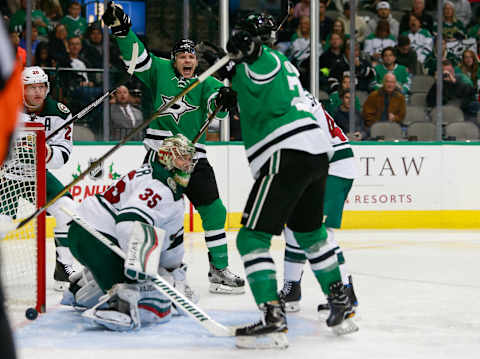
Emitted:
<point x="253" y="246"/>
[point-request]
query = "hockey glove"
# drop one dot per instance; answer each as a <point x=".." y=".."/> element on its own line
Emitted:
<point x="116" y="19"/>
<point x="211" y="54"/>
<point x="243" y="47"/>
<point x="227" y="98"/>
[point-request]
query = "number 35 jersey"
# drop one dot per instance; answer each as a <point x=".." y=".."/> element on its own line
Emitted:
<point x="148" y="194"/>
<point x="343" y="163"/>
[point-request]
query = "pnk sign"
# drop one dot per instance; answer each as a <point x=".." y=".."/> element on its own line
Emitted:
<point x="102" y="176"/>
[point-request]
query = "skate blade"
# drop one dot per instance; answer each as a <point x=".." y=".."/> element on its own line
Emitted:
<point x="218" y="288"/>
<point x="267" y="341"/>
<point x="292" y="307"/>
<point x="346" y="327"/>
<point x="60" y="286"/>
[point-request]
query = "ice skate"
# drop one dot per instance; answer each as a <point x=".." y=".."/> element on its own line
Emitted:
<point x="341" y="310"/>
<point x="61" y="275"/>
<point x="223" y="281"/>
<point x="349" y="291"/>
<point x="269" y="332"/>
<point x="291" y="294"/>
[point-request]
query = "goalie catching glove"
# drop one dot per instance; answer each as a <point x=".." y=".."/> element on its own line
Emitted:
<point x="116" y="19"/>
<point x="143" y="251"/>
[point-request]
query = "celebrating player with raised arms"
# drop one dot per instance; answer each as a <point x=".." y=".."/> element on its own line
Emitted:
<point x="41" y="108"/>
<point x="143" y="214"/>
<point x="287" y="151"/>
<point x="166" y="79"/>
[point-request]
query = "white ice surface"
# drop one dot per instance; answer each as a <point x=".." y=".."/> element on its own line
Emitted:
<point x="418" y="293"/>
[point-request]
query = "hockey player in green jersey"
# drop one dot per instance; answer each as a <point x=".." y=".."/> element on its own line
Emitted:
<point x="287" y="151"/>
<point x="143" y="214"/>
<point x="166" y="79"/>
<point x="52" y="114"/>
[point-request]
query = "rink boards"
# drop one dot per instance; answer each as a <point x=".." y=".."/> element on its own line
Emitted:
<point x="426" y="185"/>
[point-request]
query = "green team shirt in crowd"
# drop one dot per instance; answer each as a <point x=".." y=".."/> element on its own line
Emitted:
<point x="273" y="110"/>
<point x="189" y="114"/>
<point x="75" y="27"/>
<point x="404" y="79"/>
<point x="17" y="21"/>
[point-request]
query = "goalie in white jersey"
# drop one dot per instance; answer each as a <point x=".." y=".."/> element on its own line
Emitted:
<point x="143" y="214"/>
<point x="343" y="169"/>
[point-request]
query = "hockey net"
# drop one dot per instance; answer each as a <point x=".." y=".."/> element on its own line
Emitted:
<point x="22" y="191"/>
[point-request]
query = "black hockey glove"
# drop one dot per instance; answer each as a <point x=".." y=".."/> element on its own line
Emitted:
<point x="211" y="54"/>
<point x="116" y="19"/>
<point x="243" y="47"/>
<point x="227" y="98"/>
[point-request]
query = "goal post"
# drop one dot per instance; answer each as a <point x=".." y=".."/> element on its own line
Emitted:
<point x="22" y="191"/>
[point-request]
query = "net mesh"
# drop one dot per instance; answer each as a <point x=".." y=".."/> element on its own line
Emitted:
<point x="18" y="196"/>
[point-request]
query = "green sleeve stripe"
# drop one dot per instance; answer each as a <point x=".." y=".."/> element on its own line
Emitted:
<point x="342" y="154"/>
<point x="131" y="217"/>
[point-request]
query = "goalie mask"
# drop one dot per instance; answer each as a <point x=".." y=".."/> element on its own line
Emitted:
<point x="177" y="155"/>
<point x="30" y="76"/>
<point x="261" y="25"/>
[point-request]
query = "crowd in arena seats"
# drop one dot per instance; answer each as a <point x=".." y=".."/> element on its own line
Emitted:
<point x="395" y="43"/>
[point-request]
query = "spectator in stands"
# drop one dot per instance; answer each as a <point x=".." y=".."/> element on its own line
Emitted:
<point x="302" y="9"/>
<point x="58" y="45"/>
<point x="420" y="39"/>
<point x="469" y="67"/>
<point x="389" y="65"/>
<point x="383" y="13"/>
<point x="361" y="28"/>
<point x="385" y="104"/>
<point x="456" y="90"/>
<point x="364" y="72"/>
<point x="381" y="39"/>
<point x="334" y="99"/>
<point x="430" y="63"/>
<point x="35" y="40"/>
<point x="75" y="24"/>
<point x="463" y="11"/>
<point x="17" y="21"/>
<point x="21" y="54"/>
<point x="406" y="56"/>
<point x="337" y="28"/>
<point x="77" y="62"/>
<point x="123" y="116"/>
<point x="418" y="9"/>
<point x="326" y="23"/>
<point x="342" y="118"/>
<point x="53" y="11"/>
<point x="453" y="29"/>
<point x="299" y="50"/>
<point x="286" y="32"/>
<point x="42" y="58"/>
<point x="333" y="55"/>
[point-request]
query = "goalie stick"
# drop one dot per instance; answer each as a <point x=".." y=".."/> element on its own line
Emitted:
<point x="223" y="61"/>
<point x="98" y="101"/>
<point x="197" y="314"/>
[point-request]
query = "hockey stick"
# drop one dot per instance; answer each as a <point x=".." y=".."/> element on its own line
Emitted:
<point x="223" y="61"/>
<point x="289" y="8"/>
<point x="99" y="100"/>
<point x="206" y="124"/>
<point x="197" y="314"/>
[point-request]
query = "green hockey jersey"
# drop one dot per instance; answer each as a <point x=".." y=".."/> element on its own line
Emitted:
<point x="186" y="116"/>
<point x="273" y="110"/>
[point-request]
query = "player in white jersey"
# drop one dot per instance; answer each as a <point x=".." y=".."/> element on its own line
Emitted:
<point x="342" y="171"/>
<point x="143" y="209"/>
<point x="40" y="108"/>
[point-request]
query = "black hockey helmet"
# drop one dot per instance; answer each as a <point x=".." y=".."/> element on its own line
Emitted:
<point x="184" y="45"/>
<point x="259" y="24"/>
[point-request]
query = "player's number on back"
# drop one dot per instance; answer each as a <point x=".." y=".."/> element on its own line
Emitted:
<point x="294" y="84"/>
<point x="151" y="197"/>
<point x="334" y="130"/>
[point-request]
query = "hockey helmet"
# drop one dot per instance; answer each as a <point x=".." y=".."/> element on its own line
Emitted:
<point x="259" y="24"/>
<point x="177" y="148"/>
<point x="184" y="45"/>
<point x="35" y="75"/>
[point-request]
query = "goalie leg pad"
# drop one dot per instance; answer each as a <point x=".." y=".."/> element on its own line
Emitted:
<point x="144" y="249"/>
<point x="154" y="307"/>
<point x="122" y="313"/>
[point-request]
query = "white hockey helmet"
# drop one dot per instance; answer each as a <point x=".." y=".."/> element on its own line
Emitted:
<point x="175" y="147"/>
<point x="35" y="75"/>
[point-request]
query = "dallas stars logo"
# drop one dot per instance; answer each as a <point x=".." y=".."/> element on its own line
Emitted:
<point x="179" y="108"/>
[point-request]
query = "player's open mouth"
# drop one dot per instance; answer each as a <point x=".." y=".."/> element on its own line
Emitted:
<point x="187" y="70"/>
